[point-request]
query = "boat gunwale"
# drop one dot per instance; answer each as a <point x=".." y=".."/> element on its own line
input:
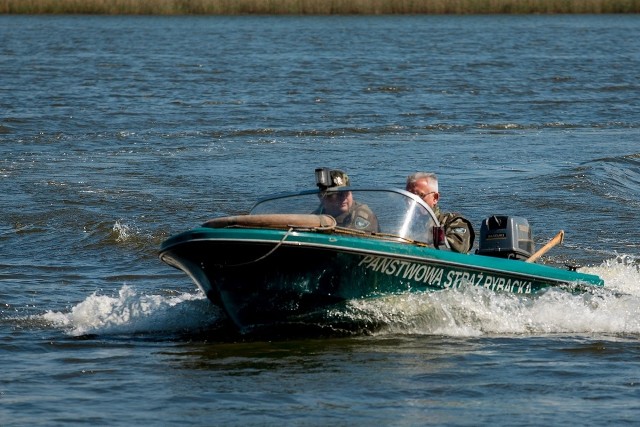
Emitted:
<point x="311" y="239"/>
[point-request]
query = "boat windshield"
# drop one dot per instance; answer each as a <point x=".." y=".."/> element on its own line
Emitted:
<point x="390" y="212"/>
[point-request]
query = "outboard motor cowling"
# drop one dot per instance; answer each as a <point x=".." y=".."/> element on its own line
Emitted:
<point x="506" y="237"/>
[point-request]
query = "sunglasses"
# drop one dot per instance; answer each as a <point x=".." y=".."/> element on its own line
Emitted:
<point x="337" y="195"/>
<point x="423" y="195"/>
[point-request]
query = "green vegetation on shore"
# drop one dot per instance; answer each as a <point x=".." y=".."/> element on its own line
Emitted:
<point x="315" y="7"/>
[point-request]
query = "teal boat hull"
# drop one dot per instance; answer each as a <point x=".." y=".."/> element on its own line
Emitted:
<point x="266" y="276"/>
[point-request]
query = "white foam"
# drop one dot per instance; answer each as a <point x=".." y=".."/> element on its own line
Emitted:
<point x="468" y="311"/>
<point x="475" y="311"/>
<point x="122" y="231"/>
<point x="621" y="273"/>
<point x="131" y="312"/>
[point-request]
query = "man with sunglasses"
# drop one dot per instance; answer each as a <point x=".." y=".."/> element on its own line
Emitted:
<point x="340" y="204"/>
<point x="458" y="230"/>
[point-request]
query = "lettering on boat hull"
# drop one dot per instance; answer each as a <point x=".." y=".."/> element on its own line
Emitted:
<point x="443" y="277"/>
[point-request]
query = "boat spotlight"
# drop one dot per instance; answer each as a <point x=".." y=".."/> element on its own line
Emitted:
<point x="323" y="178"/>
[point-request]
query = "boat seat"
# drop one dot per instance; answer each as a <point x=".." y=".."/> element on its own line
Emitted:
<point x="277" y="221"/>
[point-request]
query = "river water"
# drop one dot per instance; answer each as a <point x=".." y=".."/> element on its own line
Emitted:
<point x="117" y="132"/>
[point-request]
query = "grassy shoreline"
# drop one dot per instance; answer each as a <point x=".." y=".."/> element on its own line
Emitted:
<point x="316" y="7"/>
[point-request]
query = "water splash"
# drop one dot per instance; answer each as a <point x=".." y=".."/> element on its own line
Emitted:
<point x="621" y="273"/>
<point x="121" y="231"/>
<point x="474" y="311"/>
<point x="130" y="312"/>
<point x="129" y="234"/>
<point x="462" y="312"/>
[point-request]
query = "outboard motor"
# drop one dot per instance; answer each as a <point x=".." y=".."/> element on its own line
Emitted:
<point x="506" y="237"/>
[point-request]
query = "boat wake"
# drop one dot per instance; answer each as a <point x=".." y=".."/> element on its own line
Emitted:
<point x="475" y="311"/>
<point x="462" y="312"/>
<point x="133" y="313"/>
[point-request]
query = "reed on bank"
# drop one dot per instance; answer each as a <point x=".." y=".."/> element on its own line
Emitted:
<point x="315" y="7"/>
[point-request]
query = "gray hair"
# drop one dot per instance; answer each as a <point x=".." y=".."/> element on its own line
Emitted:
<point x="430" y="177"/>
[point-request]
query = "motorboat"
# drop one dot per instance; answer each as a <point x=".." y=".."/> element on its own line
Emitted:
<point x="287" y="260"/>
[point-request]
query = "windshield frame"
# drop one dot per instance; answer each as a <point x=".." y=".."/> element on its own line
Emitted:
<point x="407" y="212"/>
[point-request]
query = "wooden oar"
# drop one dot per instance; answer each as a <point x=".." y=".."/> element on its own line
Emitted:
<point x="553" y="242"/>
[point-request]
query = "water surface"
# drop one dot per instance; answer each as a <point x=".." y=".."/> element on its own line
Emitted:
<point x="116" y="132"/>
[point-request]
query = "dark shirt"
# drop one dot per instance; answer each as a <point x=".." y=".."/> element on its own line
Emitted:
<point x="359" y="217"/>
